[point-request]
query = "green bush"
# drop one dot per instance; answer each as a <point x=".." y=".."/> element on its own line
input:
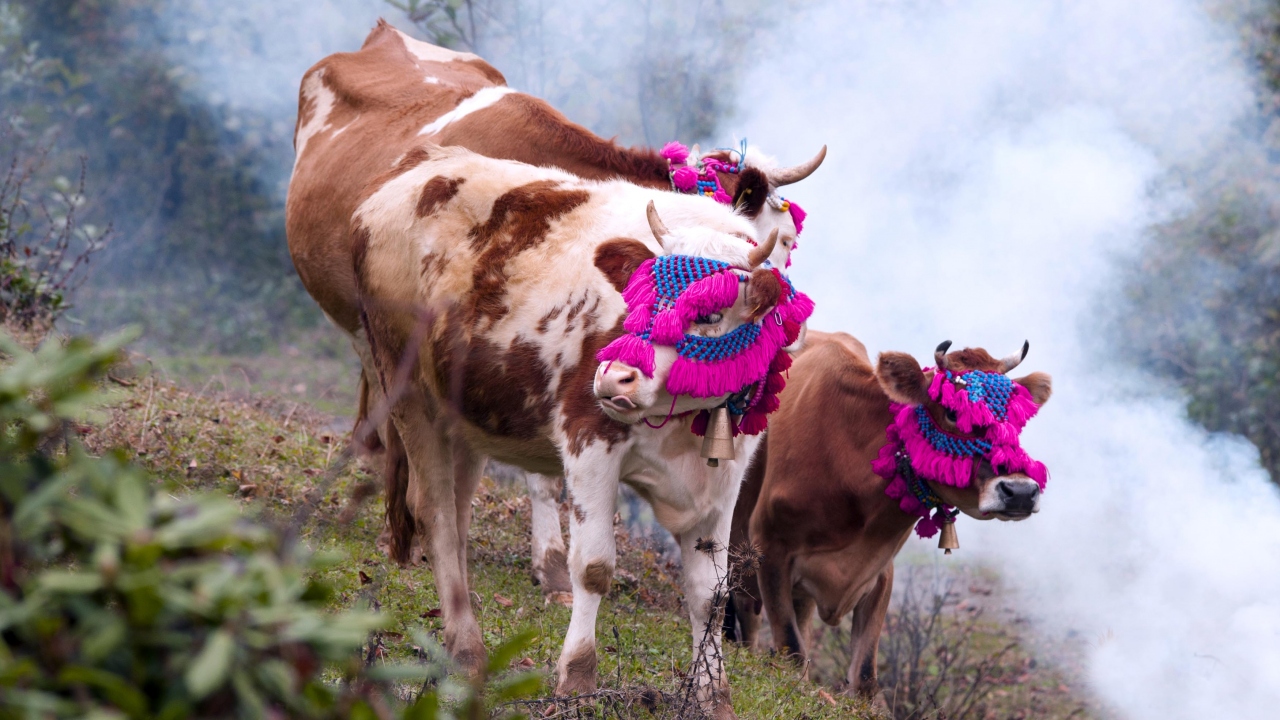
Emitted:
<point x="118" y="600"/>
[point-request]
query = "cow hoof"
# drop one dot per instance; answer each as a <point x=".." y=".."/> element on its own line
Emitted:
<point x="578" y="674"/>
<point x="559" y="598"/>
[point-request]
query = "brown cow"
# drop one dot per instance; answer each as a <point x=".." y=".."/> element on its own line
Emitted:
<point x="359" y="115"/>
<point x="827" y="524"/>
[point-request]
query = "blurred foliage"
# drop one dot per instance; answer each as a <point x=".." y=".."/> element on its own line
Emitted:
<point x="1202" y="300"/>
<point x="181" y="182"/>
<point x="117" y="600"/>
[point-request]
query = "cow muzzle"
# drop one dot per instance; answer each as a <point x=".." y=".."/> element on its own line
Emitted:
<point x="1010" y="497"/>
<point x="620" y="390"/>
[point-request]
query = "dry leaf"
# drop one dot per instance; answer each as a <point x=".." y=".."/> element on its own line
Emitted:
<point x="433" y="612"/>
<point x="364" y="578"/>
<point x="827" y="697"/>
<point x="503" y="601"/>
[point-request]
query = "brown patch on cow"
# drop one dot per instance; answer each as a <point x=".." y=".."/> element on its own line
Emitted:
<point x="579" y="514"/>
<point x="763" y="291"/>
<point x="359" y="246"/>
<point x="430" y="262"/>
<point x="902" y="379"/>
<point x="519" y="220"/>
<point x="972" y="359"/>
<point x="555" y="572"/>
<point x="597" y="577"/>
<point x="503" y="391"/>
<point x="584" y="421"/>
<point x="438" y="191"/>
<point x="1040" y="384"/>
<point x="618" y="259"/>
<point x="577" y="308"/>
<point x="545" y="321"/>
<point x="489" y="72"/>
<point x="579" y="673"/>
<point x="400" y="522"/>
<point x="752" y="192"/>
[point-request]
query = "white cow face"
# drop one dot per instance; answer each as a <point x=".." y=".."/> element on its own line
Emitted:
<point x="699" y="330"/>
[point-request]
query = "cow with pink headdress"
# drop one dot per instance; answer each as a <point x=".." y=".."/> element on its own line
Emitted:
<point x="858" y="456"/>
<point x="506" y="305"/>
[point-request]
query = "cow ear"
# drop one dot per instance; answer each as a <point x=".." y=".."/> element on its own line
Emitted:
<point x="618" y="259"/>
<point x="751" y="193"/>
<point x="1040" y="385"/>
<point x="763" y="292"/>
<point x="902" y="379"/>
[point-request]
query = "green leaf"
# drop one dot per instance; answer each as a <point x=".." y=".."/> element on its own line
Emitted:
<point x="209" y="669"/>
<point x="500" y="659"/>
<point x="68" y="581"/>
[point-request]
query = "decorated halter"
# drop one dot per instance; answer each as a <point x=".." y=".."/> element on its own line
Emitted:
<point x="990" y="407"/>
<point x="666" y="294"/>
<point x="703" y="178"/>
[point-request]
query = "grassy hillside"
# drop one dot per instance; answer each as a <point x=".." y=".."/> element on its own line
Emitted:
<point x="280" y="457"/>
<point x="955" y="636"/>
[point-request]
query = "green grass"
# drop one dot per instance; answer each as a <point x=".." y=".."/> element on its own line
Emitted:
<point x="282" y="458"/>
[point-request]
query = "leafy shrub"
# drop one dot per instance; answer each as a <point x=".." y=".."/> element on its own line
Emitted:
<point x="117" y="600"/>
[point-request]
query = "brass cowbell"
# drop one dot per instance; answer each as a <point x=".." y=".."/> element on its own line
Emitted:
<point x="948" y="540"/>
<point x="717" y="444"/>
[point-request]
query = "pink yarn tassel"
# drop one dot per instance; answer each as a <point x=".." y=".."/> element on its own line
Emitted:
<point x="675" y="152"/>
<point x="631" y="350"/>
<point x="797" y="216"/>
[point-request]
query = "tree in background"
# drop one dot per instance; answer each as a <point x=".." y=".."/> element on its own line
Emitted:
<point x="1201" y="303"/>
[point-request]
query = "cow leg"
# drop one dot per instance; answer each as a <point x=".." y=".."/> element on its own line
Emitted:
<point x="468" y="469"/>
<point x="864" y="637"/>
<point x="592" y="554"/>
<point x="803" y="606"/>
<point x="435" y="498"/>
<point x="550" y="559"/>
<point x="704" y="556"/>
<point x="775" y="594"/>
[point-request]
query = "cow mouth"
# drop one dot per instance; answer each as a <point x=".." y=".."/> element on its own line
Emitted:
<point x="1014" y="515"/>
<point x="620" y="407"/>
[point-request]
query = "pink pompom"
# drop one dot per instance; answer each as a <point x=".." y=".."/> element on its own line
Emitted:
<point x="685" y="179"/>
<point x="675" y="152"/>
<point x="722" y="197"/>
<point x="797" y="216"/>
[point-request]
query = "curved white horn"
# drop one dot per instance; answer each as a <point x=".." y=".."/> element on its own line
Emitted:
<point x="1015" y="359"/>
<point x="794" y="174"/>
<point x="660" y="231"/>
<point x="758" y="255"/>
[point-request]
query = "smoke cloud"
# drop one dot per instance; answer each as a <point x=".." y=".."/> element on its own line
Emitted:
<point x="990" y="162"/>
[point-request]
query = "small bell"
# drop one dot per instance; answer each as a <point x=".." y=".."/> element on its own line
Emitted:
<point x="948" y="540"/>
<point x="717" y="444"/>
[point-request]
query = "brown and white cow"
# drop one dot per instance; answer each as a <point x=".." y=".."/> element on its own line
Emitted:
<point x="817" y="508"/>
<point x="359" y="113"/>
<point x="501" y="282"/>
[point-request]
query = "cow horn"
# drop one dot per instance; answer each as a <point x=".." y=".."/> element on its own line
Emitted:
<point x="796" y="173"/>
<point x="759" y="254"/>
<point x="940" y="355"/>
<point x="1015" y="359"/>
<point x="660" y="231"/>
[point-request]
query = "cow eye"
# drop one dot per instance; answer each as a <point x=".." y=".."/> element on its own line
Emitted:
<point x="951" y="415"/>
<point x="709" y="319"/>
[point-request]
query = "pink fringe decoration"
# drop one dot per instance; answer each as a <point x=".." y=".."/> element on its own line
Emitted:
<point x="631" y="350"/>
<point x="675" y="152"/>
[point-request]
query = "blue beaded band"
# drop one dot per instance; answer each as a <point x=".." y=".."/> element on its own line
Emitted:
<point x="949" y="444"/>
<point x="994" y="389"/>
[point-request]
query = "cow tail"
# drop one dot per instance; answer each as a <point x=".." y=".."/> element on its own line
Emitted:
<point x="400" y="521"/>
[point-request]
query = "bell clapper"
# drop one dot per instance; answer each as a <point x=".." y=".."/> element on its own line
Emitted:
<point x="717" y="444"/>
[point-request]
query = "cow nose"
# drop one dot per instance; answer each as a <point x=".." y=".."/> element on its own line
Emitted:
<point x="1017" y="496"/>
<point x="617" y="380"/>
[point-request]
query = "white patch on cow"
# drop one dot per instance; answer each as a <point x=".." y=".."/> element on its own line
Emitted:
<point x="432" y="53"/>
<point x="481" y="100"/>
<point x="314" y="90"/>
<point x="343" y="129"/>
<point x="431" y="80"/>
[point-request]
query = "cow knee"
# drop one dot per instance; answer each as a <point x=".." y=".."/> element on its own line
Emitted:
<point x="597" y="577"/>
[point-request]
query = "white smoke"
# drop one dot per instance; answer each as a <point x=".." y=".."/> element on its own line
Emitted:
<point x="989" y="163"/>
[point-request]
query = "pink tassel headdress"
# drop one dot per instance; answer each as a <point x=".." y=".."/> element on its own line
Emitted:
<point x="667" y="293"/>
<point x="988" y="406"/>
